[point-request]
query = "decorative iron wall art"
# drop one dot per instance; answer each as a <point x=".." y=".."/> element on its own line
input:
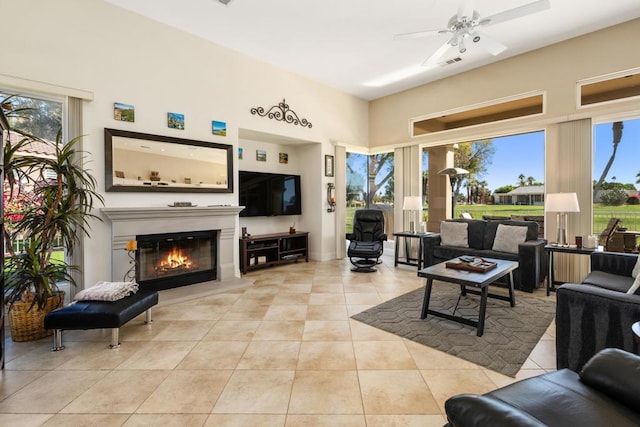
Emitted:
<point x="282" y="113"/>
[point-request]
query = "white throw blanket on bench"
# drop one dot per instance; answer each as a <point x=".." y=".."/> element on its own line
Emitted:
<point x="107" y="291"/>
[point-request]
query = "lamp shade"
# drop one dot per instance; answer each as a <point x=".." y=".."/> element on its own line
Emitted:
<point x="561" y="202"/>
<point x="412" y="203"/>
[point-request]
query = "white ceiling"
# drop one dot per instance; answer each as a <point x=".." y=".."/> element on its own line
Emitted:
<point x="348" y="44"/>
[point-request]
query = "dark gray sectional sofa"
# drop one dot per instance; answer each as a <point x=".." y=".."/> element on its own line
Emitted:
<point x="531" y="257"/>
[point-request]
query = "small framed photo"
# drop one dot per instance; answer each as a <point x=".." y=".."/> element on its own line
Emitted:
<point x="219" y="128"/>
<point x="328" y="165"/>
<point x="283" y="158"/>
<point x="123" y="112"/>
<point x="240" y="153"/>
<point x="119" y="174"/>
<point x="175" y="121"/>
<point x="261" y="155"/>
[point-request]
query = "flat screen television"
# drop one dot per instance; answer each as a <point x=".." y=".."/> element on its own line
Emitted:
<point x="269" y="194"/>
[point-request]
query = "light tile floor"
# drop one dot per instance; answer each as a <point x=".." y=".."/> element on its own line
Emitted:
<point x="282" y="352"/>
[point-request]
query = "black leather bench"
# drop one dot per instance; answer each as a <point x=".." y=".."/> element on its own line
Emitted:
<point x="100" y="315"/>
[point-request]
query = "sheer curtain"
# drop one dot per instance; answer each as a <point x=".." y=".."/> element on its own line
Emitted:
<point x="569" y="159"/>
<point x="73" y="130"/>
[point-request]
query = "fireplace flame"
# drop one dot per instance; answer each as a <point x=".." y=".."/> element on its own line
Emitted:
<point x="176" y="259"/>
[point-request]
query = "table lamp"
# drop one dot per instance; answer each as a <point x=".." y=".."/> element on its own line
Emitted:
<point x="561" y="203"/>
<point x="412" y="204"/>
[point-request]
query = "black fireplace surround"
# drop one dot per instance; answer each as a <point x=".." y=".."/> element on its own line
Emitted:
<point x="171" y="260"/>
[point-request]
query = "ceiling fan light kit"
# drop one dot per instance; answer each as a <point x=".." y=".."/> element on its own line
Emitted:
<point x="465" y="24"/>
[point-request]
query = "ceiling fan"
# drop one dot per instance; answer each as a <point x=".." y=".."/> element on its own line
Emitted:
<point x="464" y="26"/>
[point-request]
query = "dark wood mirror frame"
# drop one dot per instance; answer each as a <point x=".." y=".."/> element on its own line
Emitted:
<point x="137" y="162"/>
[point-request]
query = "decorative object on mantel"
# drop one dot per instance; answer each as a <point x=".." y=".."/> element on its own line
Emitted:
<point x="261" y="155"/>
<point x="182" y="205"/>
<point x="282" y="113"/>
<point x="131" y="247"/>
<point x="331" y="197"/>
<point x="155" y="176"/>
<point x="292" y="229"/>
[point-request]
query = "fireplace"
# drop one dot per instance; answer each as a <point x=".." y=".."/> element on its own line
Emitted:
<point x="127" y="223"/>
<point x="170" y="260"/>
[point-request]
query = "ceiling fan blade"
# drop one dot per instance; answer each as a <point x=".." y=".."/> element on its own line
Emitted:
<point x="419" y="34"/>
<point x="491" y="45"/>
<point x="516" y="12"/>
<point x="433" y="59"/>
<point x="465" y="9"/>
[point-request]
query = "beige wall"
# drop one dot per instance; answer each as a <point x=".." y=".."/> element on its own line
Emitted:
<point x="119" y="56"/>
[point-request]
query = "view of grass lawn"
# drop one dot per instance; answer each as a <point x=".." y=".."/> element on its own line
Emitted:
<point x="57" y="256"/>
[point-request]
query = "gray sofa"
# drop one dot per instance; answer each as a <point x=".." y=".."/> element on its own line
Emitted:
<point x="531" y="257"/>
<point x="598" y="313"/>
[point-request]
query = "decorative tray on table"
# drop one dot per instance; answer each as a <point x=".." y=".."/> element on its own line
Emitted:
<point x="470" y="263"/>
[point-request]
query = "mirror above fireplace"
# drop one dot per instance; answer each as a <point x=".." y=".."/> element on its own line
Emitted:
<point x="143" y="162"/>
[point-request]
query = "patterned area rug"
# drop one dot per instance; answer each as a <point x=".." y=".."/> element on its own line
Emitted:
<point x="509" y="333"/>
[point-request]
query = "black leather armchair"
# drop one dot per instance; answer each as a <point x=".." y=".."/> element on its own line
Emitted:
<point x="605" y="393"/>
<point x="366" y="240"/>
<point x="598" y="313"/>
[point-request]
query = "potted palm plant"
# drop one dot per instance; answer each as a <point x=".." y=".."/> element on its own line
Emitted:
<point x="60" y="196"/>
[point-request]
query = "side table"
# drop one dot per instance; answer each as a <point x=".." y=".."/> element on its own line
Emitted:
<point x="552" y="249"/>
<point x="406" y="235"/>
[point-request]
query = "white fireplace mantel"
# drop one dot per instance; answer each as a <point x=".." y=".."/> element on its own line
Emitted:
<point x="127" y="222"/>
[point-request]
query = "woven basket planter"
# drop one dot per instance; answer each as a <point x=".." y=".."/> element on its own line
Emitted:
<point x="28" y="325"/>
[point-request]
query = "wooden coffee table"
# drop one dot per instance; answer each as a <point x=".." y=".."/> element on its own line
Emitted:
<point x="464" y="279"/>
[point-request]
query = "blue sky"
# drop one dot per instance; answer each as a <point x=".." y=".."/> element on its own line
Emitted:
<point x="627" y="162"/>
<point x="515" y="155"/>
<point x="525" y="154"/>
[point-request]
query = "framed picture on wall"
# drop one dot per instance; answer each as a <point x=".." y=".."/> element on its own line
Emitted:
<point x="328" y="165"/>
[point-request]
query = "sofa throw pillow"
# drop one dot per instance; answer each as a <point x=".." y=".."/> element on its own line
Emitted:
<point x="454" y="234"/>
<point x="636" y="269"/>
<point x="636" y="285"/>
<point x="508" y="237"/>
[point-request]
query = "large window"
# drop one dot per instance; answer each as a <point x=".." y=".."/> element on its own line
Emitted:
<point x="616" y="173"/>
<point x="370" y="185"/>
<point x="41" y="118"/>
<point x="505" y="177"/>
